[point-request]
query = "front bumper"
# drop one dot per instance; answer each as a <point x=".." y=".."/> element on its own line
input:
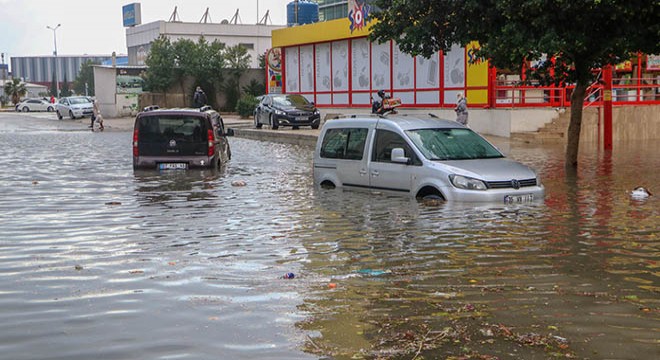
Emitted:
<point x="527" y="194"/>
<point x="288" y="120"/>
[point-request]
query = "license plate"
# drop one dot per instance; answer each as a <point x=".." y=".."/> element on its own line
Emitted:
<point x="172" y="166"/>
<point x="301" y="118"/>
<point x="518" y="199"/>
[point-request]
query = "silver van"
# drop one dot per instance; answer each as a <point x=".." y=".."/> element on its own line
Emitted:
<point x="422" y="157"/>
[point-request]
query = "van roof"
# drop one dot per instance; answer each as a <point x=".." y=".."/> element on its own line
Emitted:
<point x="403" y="121"/>
<point x="177" y="111"/>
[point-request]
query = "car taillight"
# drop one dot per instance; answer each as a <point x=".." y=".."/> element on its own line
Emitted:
<point x="211" y="143"/>
<point x="135" y="141"/>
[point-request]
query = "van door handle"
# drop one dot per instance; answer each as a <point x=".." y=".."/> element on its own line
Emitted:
<point x="375" y="173"/>
<point x="363" y="172"/>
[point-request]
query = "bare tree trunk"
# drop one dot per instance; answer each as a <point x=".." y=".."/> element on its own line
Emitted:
<point x="575" y="125"/>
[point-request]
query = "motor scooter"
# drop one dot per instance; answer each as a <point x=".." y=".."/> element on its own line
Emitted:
<point x="386" y="105"/>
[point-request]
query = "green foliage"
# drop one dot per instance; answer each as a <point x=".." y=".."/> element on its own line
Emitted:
<point x="232" y="93"/>
<point x="85" y="76"/>
<point x="65" y="90"/>
<point x="254" y="88"/>
<point x="262" y="61"/>
<point x="162" y="66"/>
<point x="238" y="61"/>
<point x="568" y="38"/>
<point x="582" y="35"/>
<point x="53" y="86"/>
<point x="246" y="105"/>
<point x="15" y="89"/>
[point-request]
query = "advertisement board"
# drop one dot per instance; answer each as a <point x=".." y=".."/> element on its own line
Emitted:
<point x="131" y="14"/>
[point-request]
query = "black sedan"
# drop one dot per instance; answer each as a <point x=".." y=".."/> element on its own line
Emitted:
<point x="286" y="110"/>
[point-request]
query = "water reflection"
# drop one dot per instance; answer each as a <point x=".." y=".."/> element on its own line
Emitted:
<point x="574" y="276"/>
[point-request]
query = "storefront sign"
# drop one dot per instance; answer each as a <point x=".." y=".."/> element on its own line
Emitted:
<point x="274" y="65"/>
<point x="653" y="62"/>
<point x="358" y="14"/>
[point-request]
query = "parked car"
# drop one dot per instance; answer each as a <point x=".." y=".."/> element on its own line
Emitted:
<point x="422" y="157"/>
<point x="292" y="110"/>
<point x="180" y="139"/>
<point x="74" y="107"/>
<point x="28" y="105"/>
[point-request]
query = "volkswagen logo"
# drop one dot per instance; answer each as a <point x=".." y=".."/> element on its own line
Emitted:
<point x="515" y="184"/>
<point x="172" y="143"/>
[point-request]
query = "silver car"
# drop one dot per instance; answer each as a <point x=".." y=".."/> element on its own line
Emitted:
<point x="421" y="157"/>
<point x="28" y="105"/>
<point x="74" y="107"/>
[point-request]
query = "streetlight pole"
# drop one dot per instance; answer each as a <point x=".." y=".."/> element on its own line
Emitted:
<point x="57" y="77"/>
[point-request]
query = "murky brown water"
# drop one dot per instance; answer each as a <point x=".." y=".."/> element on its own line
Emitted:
<point x="97" y="261"/>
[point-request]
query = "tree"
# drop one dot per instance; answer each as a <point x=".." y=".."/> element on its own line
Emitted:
<point x="53" y="86"/>
<point x="15" y="89"/>
<point x="238" y="61"/>
<point x="163" y="71"/>
<point x="84" y="83"/>
<point x="65" y="91"/>
<point x="569" y="38"/>
<point x="171" y="62"/>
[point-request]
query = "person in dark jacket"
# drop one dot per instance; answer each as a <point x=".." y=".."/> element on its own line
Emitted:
<point x="199" y="99"/>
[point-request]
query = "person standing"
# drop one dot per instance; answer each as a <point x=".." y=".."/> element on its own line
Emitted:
<point x="461" y="109"/>
<point x="96" y="115"/>
<point x="199" y="99"/>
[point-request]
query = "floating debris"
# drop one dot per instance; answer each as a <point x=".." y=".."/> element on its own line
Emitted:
<point x="238" y="183"/>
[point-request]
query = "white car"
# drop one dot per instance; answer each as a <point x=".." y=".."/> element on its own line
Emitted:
<point x="28" y="105"/>
<point x="420" y="157"/>
<point x="74" y="107"/>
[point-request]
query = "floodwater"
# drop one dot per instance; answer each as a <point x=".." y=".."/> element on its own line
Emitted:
<point x="97" y="261"/>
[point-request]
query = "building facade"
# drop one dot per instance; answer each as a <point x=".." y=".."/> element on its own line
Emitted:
<point x="255" y="38"/>
<point x="41" y="69"/>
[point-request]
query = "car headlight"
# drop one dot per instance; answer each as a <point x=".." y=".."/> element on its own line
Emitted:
<point x="463" y="182"/>
<point x="316" y="112"/>
<point x="279" y="112"/>
<point x="538" y="179"/>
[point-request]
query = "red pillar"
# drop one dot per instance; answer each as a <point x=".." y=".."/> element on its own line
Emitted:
<point x="607" y="107"/>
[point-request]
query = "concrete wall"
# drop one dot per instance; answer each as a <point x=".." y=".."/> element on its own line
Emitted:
<point x="105" y="87"/>
<point x="629" y="123"/>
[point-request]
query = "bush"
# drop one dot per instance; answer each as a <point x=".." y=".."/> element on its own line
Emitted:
<point x="246" y="105"/>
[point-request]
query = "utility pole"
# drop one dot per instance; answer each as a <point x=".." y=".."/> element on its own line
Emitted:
<point x="57" y="77"/>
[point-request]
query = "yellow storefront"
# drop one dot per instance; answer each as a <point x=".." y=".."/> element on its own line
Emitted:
<point x="335" y="65"/>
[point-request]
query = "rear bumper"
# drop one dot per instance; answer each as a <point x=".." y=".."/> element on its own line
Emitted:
<point x="192" y="162"/>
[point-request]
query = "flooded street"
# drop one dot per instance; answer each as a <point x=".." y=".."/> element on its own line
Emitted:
<point x="100" y="262"/>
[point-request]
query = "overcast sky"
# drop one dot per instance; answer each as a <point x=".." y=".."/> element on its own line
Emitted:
<point x="95" y="27"/>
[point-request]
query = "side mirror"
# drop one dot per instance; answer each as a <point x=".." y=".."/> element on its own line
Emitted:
<point x="230" y="132"/>
<point x="399" y="156"/>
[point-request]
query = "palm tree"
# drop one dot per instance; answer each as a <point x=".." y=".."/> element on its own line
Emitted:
<point x="15" y="89"/>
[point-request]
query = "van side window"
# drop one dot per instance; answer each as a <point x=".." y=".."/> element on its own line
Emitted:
<point x="344" y="143"/>
<point x="385" y="142"/>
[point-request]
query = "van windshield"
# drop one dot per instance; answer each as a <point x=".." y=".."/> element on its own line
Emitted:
<point x="452" y="144"/>
<point x="179" y="128"/>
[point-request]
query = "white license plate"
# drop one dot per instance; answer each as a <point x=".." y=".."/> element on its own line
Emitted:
<point x="518" y="199"/>
<point x="301" y="118"/>
<point x="172" y="166"/>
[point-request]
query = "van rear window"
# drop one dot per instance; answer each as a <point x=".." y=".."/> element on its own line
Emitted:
<point x="344" y="143"/>
<point x="180" y="128"/>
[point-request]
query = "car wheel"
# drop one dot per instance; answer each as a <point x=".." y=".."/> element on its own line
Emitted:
<point x="257" y="124"/>
<point x="274" y="124"/>
<point x="296" y="127"/>
<point x="50" y="109"/>
<point x="315" y="126"/>
<point x="59" y="116"/>
<point x="71" y="115"/>
<point x="26" y="109"/>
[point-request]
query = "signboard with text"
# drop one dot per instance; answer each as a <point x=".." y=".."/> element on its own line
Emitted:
<point x="131" y="14"/>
